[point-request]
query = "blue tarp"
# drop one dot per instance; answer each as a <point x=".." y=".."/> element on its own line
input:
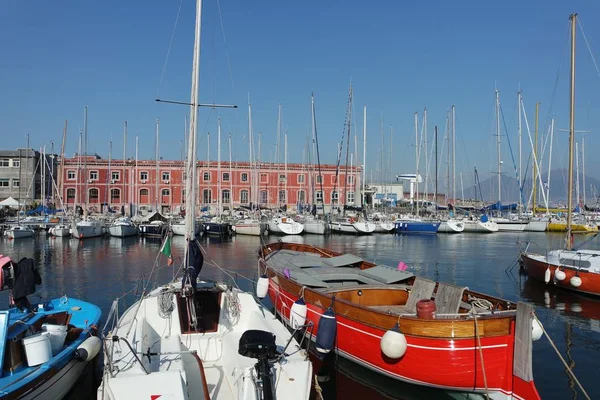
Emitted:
<point x="500" y="207"/>
<point x="42" y="210"/>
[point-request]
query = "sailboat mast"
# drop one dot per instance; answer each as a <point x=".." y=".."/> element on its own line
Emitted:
<point x="577" y="173"/>
<point x="573" y="19"/>
<point x="520" y="131"/>
<point x="156" y="166"/>
<point x="498" y="146"/>
<point x="85" y="172"/>
<point x="535" y="145"/>
<point x="230" y="178"/>
<point x="549" y="164"/>
<point x="135" y="171"/>
<point x="425" y="133"/>
<point x="583" y="167"/>
<point x="124" y="161"/>
<point x="453" y="155"/>
<point x="190" y="189"/>
<point x="316" y="142"/>
<point x="62" y="161"/>
<point x="347" y="150"/>
<point x="285" y="157"/>
<point x="417" y="160"/>
<point x="435" y="138"/>
<point x="219" y="205"/>
<point x="364" y="172"/>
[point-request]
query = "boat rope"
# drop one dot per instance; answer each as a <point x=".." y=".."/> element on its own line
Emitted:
<point x="165" y="304"/>
<point x="474" y="313"/>
<point x="318" y="389"/>
<point x="164" y="68"/>
<point x="562" y="359"/>
<point x="481" y="303"/>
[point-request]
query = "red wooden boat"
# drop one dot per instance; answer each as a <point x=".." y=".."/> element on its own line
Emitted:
<point x="474" y="343"/>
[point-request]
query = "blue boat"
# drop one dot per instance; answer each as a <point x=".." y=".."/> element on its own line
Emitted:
<point x="47" y="346"/>
<point x="416" y="226"/>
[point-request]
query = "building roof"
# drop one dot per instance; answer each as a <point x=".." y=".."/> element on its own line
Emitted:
<point x="19" y="153"/>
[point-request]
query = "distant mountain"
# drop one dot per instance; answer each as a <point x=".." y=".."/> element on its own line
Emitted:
<point x="510" y="188"/>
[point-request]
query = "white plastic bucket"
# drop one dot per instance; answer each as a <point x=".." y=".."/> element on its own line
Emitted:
<point x="38" y="349"/>
<point x="58" y="334"/>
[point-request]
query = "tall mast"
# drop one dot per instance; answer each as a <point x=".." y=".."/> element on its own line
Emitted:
<point x="364" y="174"/>
<point x="583" y="167"/>
<point x="156" y="177"/>
<point x="251" y="144"/>
<point x="417" y="160"/>
<point x="453" y="155"/>
<point x="347" y="151"/>
<point x="108" y="197"/>
<point x="448" y="159"/>
<point x="573" y="19"/>
<point x="535" y="145"/>
<point x="426" y="155"/>
<point x="520" y="131"/>
<point x="550" y="163"/>
<point x="498" y="146"/>
<point x="124" y="161"/>
<point x="62" y="161"/>
<point x="135" y="172"/>
<point x="435" y="136"/>
<point x="230" y="178"/>
<point x="78" y="198"/>
<point x="190" y="183"/>
<point x="219" y="205"/>
<point x="85" y="172"/>
<point x="577" y="173"/>
<point x="316" y="141"/>
<point x="285" y="157"/>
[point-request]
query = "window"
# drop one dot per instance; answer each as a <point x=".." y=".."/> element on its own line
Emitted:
<point x="71" y="194"/>
<point x="225" y="176"/>
<point x="16" y="183"/>
<point x="350" y="179"/>
<point x="335" y="196"/>
<point x="16" y="163"/>
<point x="71" y="175"/>
<point x="183" y="196"/>
<point x="319" y="195"/>
<point x="4" y="162"/>
<point x="166" y="176"/>
<point x="319" y="178"/>
<point x="143" y="192"/>
<point x="244" y="196"/>
<point x="94" y="175"/>
<point x="282" y="196"/>
<point x="115" y="194"/>
<point x="301" y="178"/>
<point x="264" y="178"/>
<point x="225" y="196"/>
<point x="264" y="197"/>
<point x="244" y="177"/>
<point x="301" y="196"/>
<point x="184" y="176"/>
<point x="282" y="178"/>
<point x="207" y="196"/>
<point x="144" y="175"/>
<point x="93" y="195"/>
<point x="165" y="192"/>
<point x="4" y="182"/>
<point x="350" y="197"/>
<point x="115" y="175"/>
<point x="206" y="177"/>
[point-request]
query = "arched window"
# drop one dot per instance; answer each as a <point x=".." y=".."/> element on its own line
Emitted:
<point x="70" y="195"/>
<point x="226" y="196"/>
<point x="144" y="196"/>
<point x="282" y="196"/>
<point x="143" y="192"/>
<point x="166" y="192"/>
<point x="115" y="194"/>
<point x="264" y="197"/>
<point x="244" y="196"/>
<point x="93" y="195"/>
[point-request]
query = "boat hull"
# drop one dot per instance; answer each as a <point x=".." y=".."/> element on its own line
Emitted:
<point x="451" y="226"/>
<point x="60" y="231"/>
<point x="250" y="229"/>
<point x="87" y="231"/>
<point x="511" y="226"/>
<point x="315" y="227"/>
<point x="122" y="230"/>
<point x="353" y="228"/>
<point x="417" y="227"/>
<point x="222" y="229"/>
<point x="289" y="227"/>
<point x="19" y="233"/>
<point x="536" y="226"/>
<point x="536" y="267"/>
<point x="480" y="227"/>
<point x="561" y="226"/>
<point x="384" y="227"/>
<point x="426" y="360"/>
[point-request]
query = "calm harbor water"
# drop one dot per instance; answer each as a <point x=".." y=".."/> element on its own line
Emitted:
<point x="100" y="270"/>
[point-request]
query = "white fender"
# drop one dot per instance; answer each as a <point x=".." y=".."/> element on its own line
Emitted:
<point x="547" y="275"/>
<point x="393" y="343"/>
<point x="88" y="349"/>
<point x="575" y="281"/>
<point x="298" y="313"/>
<point x="536" y="329"/>
<point x="560" y="275"/>
<point x="262" y="287"/>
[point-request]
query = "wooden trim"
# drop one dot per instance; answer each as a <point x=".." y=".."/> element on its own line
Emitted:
<point x="203" y="375"/>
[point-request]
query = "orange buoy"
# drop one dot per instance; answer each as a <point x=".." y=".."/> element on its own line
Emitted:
<point x="426" y="309"/>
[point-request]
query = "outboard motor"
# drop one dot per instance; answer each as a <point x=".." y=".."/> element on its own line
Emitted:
<point x="260" y="345"/>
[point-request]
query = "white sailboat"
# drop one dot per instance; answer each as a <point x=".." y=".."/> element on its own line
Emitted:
<point x="451" y="225"/>
<point x="123" y="227"/>
<point x="87" y="228"/>
<point x="192" y="339"/>
<point x="283" y="225"/>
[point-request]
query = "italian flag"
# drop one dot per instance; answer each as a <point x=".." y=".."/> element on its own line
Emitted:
<point x="166" y="250"/>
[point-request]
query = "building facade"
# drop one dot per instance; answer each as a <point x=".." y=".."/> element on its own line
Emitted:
<point x="22" y="172"/>
<point x="98" y="184"/>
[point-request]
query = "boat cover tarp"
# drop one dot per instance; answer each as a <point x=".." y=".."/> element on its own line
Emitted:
<point x="42" y="210"/>
<point x="385" y="274"/>
<point x="500" y="207"/>
<point x="342" y="261"/>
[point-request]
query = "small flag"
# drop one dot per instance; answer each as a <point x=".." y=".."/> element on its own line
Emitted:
<point x="166" y="250"/>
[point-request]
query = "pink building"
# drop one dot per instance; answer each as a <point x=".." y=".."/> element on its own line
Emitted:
<point x="91" y="180"/>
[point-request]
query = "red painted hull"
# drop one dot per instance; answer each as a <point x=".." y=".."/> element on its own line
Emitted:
<point x="590" y="282"/>
<point x="443" y="363"/>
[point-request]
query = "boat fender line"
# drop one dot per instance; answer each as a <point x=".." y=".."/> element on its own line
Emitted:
<point x="262" y="286"/>
<point x="567" y="368"/>
<point x="575" y="281"/>
<point x="559" y="275"/>
<point x="326" y="331"/>
<point x="89" y="349"/>
<point x="547" y="275"/>
<point x="393" y="342"/>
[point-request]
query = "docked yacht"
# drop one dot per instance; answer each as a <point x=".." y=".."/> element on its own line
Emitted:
<point x="282" y="225"/>
<point x="88" y="228"/>
<point x="123" y="227"/>
<point x="451" y="226"/>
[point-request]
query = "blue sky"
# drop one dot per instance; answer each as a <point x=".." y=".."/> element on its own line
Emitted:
<point x="400" y="56"/>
